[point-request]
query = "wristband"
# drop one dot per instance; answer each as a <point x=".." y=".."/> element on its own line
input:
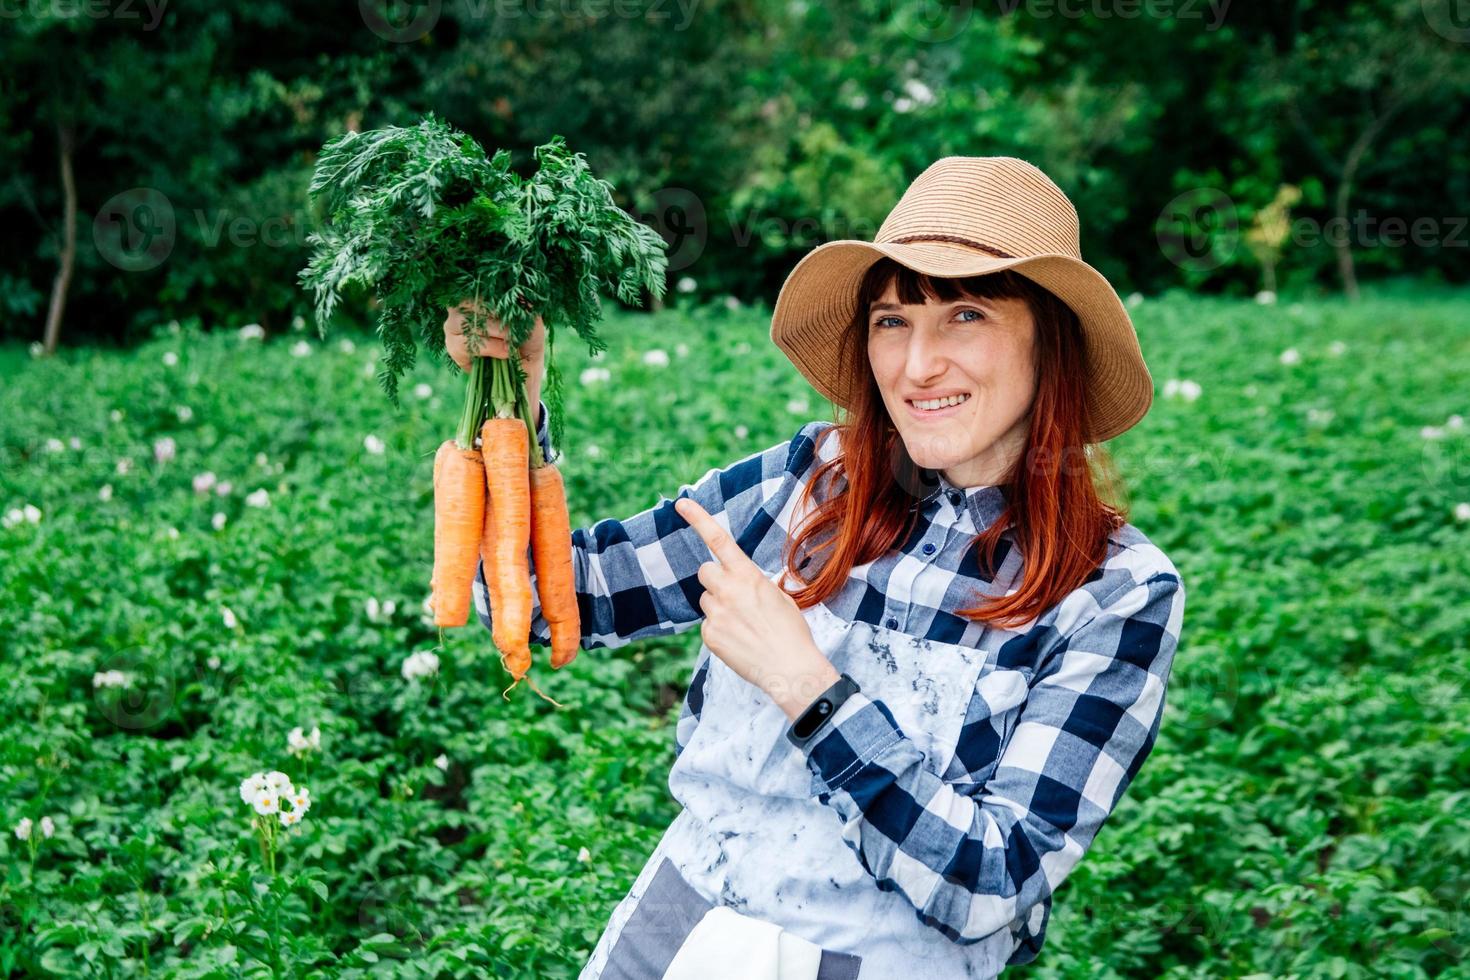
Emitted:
<point x="814" y="719"/>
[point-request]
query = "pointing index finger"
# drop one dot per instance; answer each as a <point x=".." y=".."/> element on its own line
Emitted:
<point x="720" y="543"/>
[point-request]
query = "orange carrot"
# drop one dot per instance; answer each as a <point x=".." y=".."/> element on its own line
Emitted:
<point x="504" y="446"/>
<point x="551" y="547"/>
<point x="459" y="514"/>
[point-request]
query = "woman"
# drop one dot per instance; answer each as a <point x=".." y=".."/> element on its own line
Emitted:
<point x="891" y="766"/>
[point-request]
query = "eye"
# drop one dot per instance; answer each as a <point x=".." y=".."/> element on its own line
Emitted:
<point x="880" y="322"/>
<point x="978" y="315"/>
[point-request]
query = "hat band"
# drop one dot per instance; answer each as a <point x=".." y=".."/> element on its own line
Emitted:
<point x="956" y="239"/>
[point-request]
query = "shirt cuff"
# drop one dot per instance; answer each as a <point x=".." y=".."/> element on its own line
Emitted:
<point x="860" y="731"/>
<point x="543" y="434"/>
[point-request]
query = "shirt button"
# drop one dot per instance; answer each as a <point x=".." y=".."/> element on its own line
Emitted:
<point x="891" y="623"/>
<point x="929" y="549"/>
<point x="956" y="498"/>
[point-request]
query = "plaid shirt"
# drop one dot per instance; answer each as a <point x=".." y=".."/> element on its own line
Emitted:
<point x="986" y="846"/>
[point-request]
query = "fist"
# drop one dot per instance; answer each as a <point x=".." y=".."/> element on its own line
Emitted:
<point x="464" y="339"/>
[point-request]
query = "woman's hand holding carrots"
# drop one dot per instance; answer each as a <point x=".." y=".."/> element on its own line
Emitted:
<point x="533" y="351"/>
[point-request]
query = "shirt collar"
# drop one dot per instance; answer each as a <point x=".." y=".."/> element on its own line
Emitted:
<point x="983" y="503"/>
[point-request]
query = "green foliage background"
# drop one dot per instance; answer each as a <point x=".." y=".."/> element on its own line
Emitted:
<point x="746" y="131"/>
<point x="1303" y="814"/>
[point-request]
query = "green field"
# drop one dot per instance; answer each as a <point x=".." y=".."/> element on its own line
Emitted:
<point x="1305" y="813"/>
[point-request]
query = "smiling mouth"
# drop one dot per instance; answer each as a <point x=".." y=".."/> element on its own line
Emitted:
<point x="926" y="407"/>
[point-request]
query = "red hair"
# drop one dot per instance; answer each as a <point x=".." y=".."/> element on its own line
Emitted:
<point x="1059" y="521"/>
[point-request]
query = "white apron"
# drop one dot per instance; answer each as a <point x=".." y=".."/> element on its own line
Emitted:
<point x="753" y="836"/>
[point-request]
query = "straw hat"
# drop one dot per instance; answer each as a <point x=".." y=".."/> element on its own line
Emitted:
<point x="966" y="216"/>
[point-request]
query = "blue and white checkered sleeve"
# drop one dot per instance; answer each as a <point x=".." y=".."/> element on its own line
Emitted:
<point x="973" y="862"/>
<point x="638" y="577"/>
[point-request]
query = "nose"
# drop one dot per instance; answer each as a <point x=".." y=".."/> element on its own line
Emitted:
<point x="924" y="359"/>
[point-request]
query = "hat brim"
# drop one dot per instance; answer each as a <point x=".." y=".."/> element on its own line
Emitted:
<point x="819" y="298"/>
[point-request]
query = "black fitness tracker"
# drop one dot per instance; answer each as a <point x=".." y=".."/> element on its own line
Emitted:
<point x="813" y="719"/>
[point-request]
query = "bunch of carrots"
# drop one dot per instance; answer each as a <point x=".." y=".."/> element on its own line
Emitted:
<point x="421" y="218"/>
<point x="493" y="504"/>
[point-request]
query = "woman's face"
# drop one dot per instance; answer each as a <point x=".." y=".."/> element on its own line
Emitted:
<point x="983" y="349"/>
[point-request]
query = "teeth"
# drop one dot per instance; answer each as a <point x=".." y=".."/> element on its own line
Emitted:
<point x="932" y="404"/>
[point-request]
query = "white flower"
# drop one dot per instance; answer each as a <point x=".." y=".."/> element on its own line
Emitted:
<point x="1171" y="387"/>
<point x="110" y="678"/>
<point x="1432" y="432"/>
<point x="1265" y="297"/>
<point x="369" y="369"/>
<point x="1189" y="390"/>
<point x="741" y="432"/>
<point x="23" y="829"/>
<point x="165" y="449"/>
<point x="262" y="460"/>
<point x="593" y="449"/>
<point x="1462" y="512"/>
<point x="32" y="513"/>
<point x="301" y="800"/>
<point x="12" y="517"/>
<point x="48" y="828"/>
<point x="1133" y="299"/>
<point x="903" y="104"/>
<point x="74" y="442"/>
<point x="372" y="607"/>
<point x="37" y="348"/>
<point x="218" y="520"/>
<point x="54" y="445"/>
<point x="123" y="465"/>
<point x="422" y="391"/>
<point x="116" y="415"/>
<point x="442" y="761"/>
<point x="732" y="302"/>
<point x="796" y="406"/>
<point x="105" y="494"/>
<point x="213" y="662"/>
<point x="1454" y="422"/>
<point x="687" y="284"/>
<point x="251" y="787"/>
<point x="1320" y="416"/>
<point x="298" y="322"/>
<point x="300" y="349"/>
<point x="252" y="331"/>
<point x="918" y="91"/>
<point x="297" y="741"/>
<point x="289" y="818"/>
<point x="594" y="374"/>
<point x="258" y="498"/>
<point x="1337" y="348"/>
<point x="279" y="781"/>
<point x="170" y="358"/>
<point x="223" y="488"/>
<point x="228" y="615"/>
<point x="373" y="444"/>
<point x="346" y="346"/>
<point x="204" y="482"/>
<point x="173" y="533"/>
<point x="420" y="664"/>
<point x="584" y="855"/>
<point x="681" y="349"/>
<point x="1290" y="356"/>
<point x="184" y="412"/>
<point x="656" y="358"/>
<point x="266" y="802"/>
